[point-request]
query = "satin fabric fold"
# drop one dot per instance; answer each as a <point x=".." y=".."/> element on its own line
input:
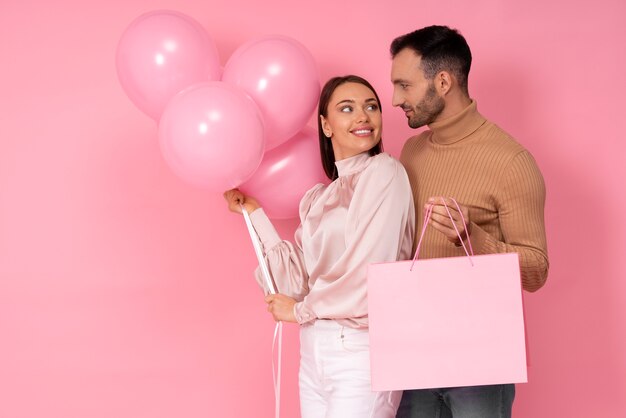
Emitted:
<point x="365" y="216"/>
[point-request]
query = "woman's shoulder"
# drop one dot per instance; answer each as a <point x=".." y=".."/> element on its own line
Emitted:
<point x="311" y="196"/>
<point x="385" y="165"/>
<point x="384" y="180"/>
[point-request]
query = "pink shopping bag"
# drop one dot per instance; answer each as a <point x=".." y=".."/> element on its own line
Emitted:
<point x="446" y="322"/>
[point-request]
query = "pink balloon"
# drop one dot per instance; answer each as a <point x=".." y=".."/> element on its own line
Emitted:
<point x="160" y="54"/>
<point x="281" y="76"/>
<point x="285" y="175"/>
<point x="211" y="135"/>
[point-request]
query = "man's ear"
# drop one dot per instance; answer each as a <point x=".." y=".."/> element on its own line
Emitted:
<point x="443" y="82"/>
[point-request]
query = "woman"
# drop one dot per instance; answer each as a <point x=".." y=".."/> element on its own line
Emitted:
<point x="364" y="216"/>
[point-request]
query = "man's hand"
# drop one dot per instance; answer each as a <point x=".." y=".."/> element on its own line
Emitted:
<point x="440" y="220"/>
<point x="281" y="307"/>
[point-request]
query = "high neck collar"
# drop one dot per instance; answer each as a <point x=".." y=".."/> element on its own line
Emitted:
<point x="352" y="164"/>
<point x="456" y="127"/>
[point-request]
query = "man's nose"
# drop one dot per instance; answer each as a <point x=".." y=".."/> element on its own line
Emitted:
<point x="396" y="99"/>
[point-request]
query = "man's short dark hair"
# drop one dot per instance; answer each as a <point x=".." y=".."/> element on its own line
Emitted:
<point x="441" y="49"/>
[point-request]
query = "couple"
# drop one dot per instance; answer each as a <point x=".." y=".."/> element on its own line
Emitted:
<point x="367" y="215"/>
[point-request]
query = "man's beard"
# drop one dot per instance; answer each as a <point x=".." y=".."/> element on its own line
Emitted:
<point x="427" y="110"/>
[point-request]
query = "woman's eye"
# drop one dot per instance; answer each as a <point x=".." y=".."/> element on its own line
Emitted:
<point x="346" y="109"/>
<point x="372" y="107"/>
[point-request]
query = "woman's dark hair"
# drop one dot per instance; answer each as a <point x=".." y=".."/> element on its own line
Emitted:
<point x="326" y="146"/>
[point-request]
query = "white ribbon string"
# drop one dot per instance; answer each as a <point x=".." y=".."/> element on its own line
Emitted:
<point x="278" y="329"/>
<point x="259" y="252"/>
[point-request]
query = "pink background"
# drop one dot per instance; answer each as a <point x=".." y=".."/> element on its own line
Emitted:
<point x="126" y="293"/>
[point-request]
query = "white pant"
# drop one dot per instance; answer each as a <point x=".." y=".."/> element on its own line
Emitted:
<point x="335" y="374"/>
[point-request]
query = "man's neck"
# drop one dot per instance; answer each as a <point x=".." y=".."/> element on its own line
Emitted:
<point x="455" y="103"/>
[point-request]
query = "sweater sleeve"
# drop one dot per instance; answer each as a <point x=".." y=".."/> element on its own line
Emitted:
<point x="521" y="202"/>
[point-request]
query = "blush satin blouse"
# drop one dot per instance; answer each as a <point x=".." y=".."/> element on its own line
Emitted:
<point x="364" y="216"/>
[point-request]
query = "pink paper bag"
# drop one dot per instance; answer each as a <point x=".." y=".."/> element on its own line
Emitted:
<point x="446" y="322"/>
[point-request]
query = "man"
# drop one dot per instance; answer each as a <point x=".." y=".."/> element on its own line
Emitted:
<point x="496" y="182"/>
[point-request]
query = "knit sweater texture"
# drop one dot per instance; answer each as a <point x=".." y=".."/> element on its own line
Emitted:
<point x="472" y="160"/>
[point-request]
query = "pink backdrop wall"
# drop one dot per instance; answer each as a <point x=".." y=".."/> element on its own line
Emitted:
<point x="126" y="293"/>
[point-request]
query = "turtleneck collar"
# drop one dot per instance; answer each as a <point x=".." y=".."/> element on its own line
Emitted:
<point x="456" y="127"/>
<point x="352" y="164"/>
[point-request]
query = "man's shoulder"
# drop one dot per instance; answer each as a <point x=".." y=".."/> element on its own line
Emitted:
<point x="411" y="144"/>
<point x="497" y="136"/>
<point x="418" y="137"/>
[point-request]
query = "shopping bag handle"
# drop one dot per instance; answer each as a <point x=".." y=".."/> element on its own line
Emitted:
<point x="429" y="211"/>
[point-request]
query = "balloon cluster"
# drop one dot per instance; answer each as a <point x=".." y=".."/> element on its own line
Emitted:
<point x="243" y="126"/>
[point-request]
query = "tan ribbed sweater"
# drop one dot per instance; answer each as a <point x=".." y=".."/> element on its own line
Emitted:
<point x="474" y="161"/>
